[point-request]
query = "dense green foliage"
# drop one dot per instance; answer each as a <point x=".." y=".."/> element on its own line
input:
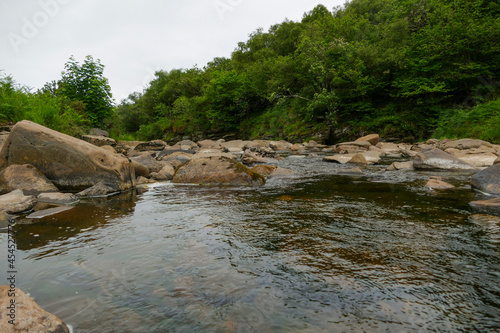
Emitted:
<point x="400" y="68"/>
<point x="57" y="112"/>
<point x="80" y="99"/>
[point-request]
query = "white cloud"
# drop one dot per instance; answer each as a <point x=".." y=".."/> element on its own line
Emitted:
<point x="132" y="38"/>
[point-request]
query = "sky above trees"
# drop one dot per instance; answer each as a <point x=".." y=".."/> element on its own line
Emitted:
<point x="132" y="39"/>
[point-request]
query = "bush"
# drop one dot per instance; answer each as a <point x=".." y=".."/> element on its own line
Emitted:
<point x="480" y="122"/>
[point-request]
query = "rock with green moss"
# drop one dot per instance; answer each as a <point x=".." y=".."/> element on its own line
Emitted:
<point x="217" y="171"/>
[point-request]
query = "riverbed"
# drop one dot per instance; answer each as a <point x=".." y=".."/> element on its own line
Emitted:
<point x="316" y="252"/>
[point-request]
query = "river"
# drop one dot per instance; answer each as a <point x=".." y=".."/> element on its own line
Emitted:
<point x="319" y="252"/>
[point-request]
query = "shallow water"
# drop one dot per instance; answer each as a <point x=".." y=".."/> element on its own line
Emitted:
<point x="320" y="252"/>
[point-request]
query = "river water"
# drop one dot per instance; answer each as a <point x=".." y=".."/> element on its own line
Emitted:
<point x="319" y="252"/>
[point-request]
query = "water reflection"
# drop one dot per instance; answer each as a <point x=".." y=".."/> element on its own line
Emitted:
<point x="320" y="253"/>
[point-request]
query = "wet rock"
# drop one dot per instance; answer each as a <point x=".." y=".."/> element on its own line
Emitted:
<point x="58" y="198"/>
<point x="352" y="147"/>
<point x="98" y="132"/>
<point x="390" y="149"/>
<point x="217" y="171"/>
<point x="371" y="138"/>
<point x="437" y="159"/>
<point x="140" y="169"/>
<point x="437" y="184"/>
<point x="492" y="203"/>
<point x="484" y="220"/>
<point x="282" y="173"/>
<point x="463" y="144"/>
<point x="234" y="146"/>
<point x="264" y="169"/>
<point x="166" y="173"/>
<point x="25" y="177"/>
<point x="251" y="158"/>
<point x="401" y="166"/>
<point x="5" y="219"/>
<point x="155" y="145"/>
<point x="339" y="158"/>
<point x="478" y="157"/>
<point x="143" y="180"/>
<point x="168" y="152"/>
<point x="280" y="145"/>
<point x="30" y="317"/>
<point x="99" y="141"/>
<point x="16" y="202"/>
<point x="358" y="159"/>
<point x="210" y="144"/>
<point x="99" y="190"/>
<point x="356" y="171"/>
<point x="213" y="154"/>
<point x="488" y="180"/>
<point x="48" y="212"/>
<point x="150" y="162"/>
<point x="69" y="163"/>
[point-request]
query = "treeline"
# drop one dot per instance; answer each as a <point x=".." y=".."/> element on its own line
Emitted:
<point x="79" y="100"/>
<point x="400" y="68"/>
<point x="406" y="69"/>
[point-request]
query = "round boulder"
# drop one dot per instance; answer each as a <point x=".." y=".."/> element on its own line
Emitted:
<point x="217" y="171"/>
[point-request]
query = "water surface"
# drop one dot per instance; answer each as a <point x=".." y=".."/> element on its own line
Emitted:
<point x="320" y="252"/>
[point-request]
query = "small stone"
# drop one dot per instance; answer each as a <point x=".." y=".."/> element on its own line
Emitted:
<point x="436" y="184"/>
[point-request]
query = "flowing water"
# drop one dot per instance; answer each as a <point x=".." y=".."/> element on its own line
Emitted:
<point x="320" y="252"/>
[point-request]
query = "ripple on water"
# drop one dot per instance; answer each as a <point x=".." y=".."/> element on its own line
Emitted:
<point x="316" y="253"/>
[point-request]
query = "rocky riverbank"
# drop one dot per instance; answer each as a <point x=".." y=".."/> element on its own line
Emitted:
<point x="42" y="168"/>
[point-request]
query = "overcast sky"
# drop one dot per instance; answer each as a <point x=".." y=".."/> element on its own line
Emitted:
<point x="132" y="39"/>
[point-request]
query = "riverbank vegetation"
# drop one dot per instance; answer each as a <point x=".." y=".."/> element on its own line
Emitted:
<point x="405" y="69"/>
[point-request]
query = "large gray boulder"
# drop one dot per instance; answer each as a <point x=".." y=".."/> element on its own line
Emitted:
<point x="25" y="177"/>
<point x="29" y="316"/>
<point x="436" y="159"/>
<point x="217" y="171"/>
<point x="69" y="163"/>
<point x="488" y="180"/>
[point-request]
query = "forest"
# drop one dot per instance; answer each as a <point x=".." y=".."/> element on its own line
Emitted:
<point x="406" y="69"/>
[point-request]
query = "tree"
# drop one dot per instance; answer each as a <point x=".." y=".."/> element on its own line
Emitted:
<point x="87" y="84"/>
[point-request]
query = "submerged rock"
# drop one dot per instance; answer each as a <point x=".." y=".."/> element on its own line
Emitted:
<point x="27" y="178"/>
<point x="99" y="190"/>
<point x="264" y="169"/>
<point x="69" y="163"/>
<point x="436" y="159"/>
<point x="488" y="180"/>
<point x="29" y="316"/>
<point x="16" y="202"/>
<point x="438" y="184"/>
<point x="217" y="171"/>
<point x="492" y="203"/>
<point x="401" y="166"/>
